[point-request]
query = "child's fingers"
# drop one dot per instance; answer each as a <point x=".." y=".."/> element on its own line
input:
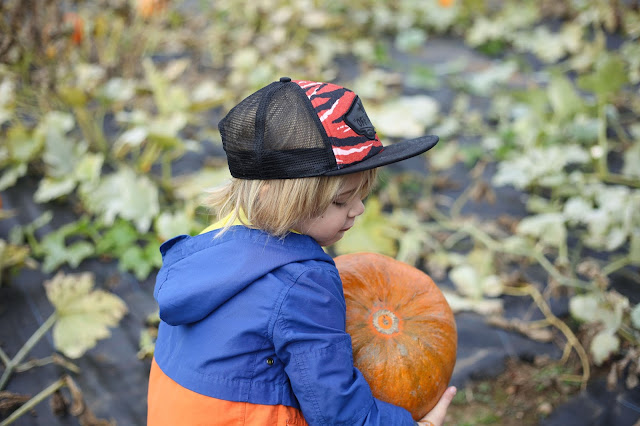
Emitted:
<point x="436" y="416"/>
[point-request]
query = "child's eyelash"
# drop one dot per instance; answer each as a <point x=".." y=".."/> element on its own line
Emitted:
<point x="339" y="204"/>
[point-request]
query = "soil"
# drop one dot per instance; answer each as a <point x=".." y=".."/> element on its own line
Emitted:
<point x="525" y="394"/>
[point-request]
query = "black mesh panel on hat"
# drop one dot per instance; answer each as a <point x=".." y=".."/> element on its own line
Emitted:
<point x="275" y="134"/>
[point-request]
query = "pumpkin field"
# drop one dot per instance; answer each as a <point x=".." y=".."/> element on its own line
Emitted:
<point x="526" y="214"/>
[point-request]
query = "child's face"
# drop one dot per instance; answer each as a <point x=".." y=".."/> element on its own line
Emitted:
<point x="339" y="217"/>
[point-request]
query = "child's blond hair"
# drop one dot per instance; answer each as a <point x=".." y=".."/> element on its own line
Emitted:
<point x="276" y="205"/>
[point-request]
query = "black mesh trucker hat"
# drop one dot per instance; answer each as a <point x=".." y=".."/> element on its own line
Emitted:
<point x="296" y="128"/>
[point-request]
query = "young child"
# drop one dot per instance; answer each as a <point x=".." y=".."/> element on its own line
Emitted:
<point x="253" y="313"/>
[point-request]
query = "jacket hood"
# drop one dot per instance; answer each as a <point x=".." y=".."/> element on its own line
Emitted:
<point x="201" y="273"/>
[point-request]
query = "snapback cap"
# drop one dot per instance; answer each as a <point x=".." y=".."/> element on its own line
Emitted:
<point x="297" y="128"/>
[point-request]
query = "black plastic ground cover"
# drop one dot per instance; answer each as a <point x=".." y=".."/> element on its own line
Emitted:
<point x="114" y="381"/>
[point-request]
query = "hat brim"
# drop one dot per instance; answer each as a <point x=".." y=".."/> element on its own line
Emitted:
<point x="390" y="154"/>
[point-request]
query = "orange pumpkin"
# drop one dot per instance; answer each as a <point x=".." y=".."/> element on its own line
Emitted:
<point x="402" y="329"/>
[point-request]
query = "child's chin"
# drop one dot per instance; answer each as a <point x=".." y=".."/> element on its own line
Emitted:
<point x="331" y="242"/>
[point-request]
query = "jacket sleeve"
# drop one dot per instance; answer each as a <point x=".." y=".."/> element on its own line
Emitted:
<point x="310" y="339"/>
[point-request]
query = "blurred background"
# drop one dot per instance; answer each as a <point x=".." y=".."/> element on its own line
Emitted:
<point x="526" y="214"/>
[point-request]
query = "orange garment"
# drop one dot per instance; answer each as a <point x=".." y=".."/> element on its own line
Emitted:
<point x="170" y="404"/>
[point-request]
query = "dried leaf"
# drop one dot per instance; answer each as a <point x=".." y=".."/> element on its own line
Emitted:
<point x="514" y="324"/>
<point x="59" y="404"/>
<point x="84" y="315"/>
<point x="480" y="306"/>
<point x="603" y="345"/>
<point x="80" y="409"/>
<point x="10" y="401"/>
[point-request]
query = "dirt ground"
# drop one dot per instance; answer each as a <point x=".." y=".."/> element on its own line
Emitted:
<point x="524" y="394"/>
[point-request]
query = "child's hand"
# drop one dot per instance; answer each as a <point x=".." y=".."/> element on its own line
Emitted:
<point x="435" y="417"/>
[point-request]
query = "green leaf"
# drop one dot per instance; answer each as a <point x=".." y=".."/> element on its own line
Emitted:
<point x="52" y="188"/>
<point x="89" y="76"/>
<point x="410" y="39"/>
<point x="21" y="144"/>
<point x="547" y="227"/>
<point x="564" y="100"/>
<point x="168" y="97"/>
<point x="542" y="166"/>
<point x="7" y="99"/>
<point x="635" y="316"/>
<point x="444" y="157"/>
<point x="517" y="245"/>
<point x="117" y="238"/>
<point x="583" y="307"/>
<point x="127" y="195"/>
<point x="167" y="127"/>
<point x="133" y="260"/>
<point x="57" y="253"/>
<point x="632" y="160"/>
<point x="483" y="82"/>
<point x="482" y="261"/>
<point x="480" y="306"/>
<point x="603" y="345"/>
<point x="370" y="233"/>
<point x="89" y="168"/>
<point x="411" y="234"/>
<point x="608" y="77"/>
<point x="189" y="187"/>
<point x="422" y="77"/>
<point x="131" y="138"/>
<point x="139" y="260"/>
<point x="577" y="209"/>
<point x="206" y="95"/>
<point x="11" y="175"/>
<point x="118" y="89"/>
<point x="169" y="225"/>
<point x="405" y="117"/>
<point x="466" y="280"/>
<point x="492" y="285"/>
<point x="147" y="343"/>
<point x="61" y="153"/>
<point x="83" y="315"/>
<point x="607" y="309"/>
<point x="86" y="170"/>
<point x="11" y="255"/>
<point x="634" y="247"/>
<point x="73" y="96"/>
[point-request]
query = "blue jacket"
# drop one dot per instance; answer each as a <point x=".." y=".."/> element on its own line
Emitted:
<point x="252" y="318"/>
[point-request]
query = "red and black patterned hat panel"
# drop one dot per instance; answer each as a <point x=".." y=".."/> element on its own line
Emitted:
<point x="342" y="115"/>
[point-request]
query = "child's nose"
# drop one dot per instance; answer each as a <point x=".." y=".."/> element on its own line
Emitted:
<point x="357" y="209"/>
